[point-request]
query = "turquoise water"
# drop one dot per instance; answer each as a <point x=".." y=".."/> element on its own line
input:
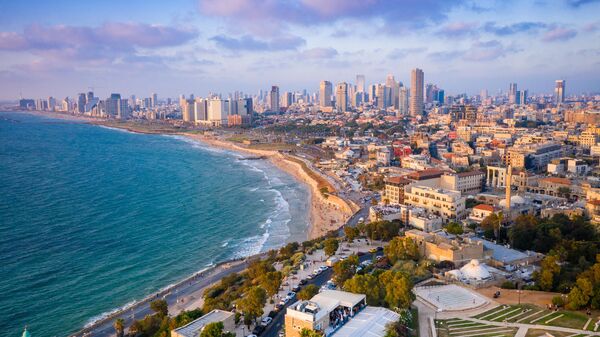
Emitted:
<point x="93" y="218"/>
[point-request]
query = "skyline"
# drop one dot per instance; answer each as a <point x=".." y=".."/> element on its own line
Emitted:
<point x="200" y="46"/>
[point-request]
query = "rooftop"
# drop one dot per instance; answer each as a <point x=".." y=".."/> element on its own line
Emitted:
<point x="502" y="253"/>
<point x="369" y="322"/>
<point x="191" y="329"/>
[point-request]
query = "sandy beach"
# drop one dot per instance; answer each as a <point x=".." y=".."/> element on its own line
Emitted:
<point x="327" y="213"/>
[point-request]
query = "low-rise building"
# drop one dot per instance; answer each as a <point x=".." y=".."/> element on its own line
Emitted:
<point x="465" y="182"/>
<point x="394" y="190"/>
<point x="448" y="204"/>
<point x="194" y="328"/>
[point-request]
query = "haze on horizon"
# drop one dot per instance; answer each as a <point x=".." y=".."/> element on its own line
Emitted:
<point x="63" y="47"/>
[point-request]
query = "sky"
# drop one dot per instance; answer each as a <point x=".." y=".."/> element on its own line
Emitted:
<point x="60" y="48"/>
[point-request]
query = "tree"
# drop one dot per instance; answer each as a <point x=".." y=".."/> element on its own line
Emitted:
<point x="401" y="248"/>
<point x="271" y="282"/>
<point x="215" y="329"/>
<point x="345" y="269"/>
<point x="251" y="305"/>
<point x="160" y="307"/>
<point x="523" y="232"/>
<point x="491" y="225"/>
<point x="119" y="326"/>
<point x="365" y="284"/>
<point x="549" y="270"/>
<point x="397" y="287"/>
<point x="308" y="292"/>
<point x="563" y="192"/>
<point x="330" y="246"/>
<point x="454" y="228"/>
<point x="310" y="333"/>
<point x="581" y="294"/>
<point x="351" y="233"/>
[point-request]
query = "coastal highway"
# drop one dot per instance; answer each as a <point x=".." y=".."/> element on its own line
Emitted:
<point x="276" y="325"/>
<point x="105" y="328"/>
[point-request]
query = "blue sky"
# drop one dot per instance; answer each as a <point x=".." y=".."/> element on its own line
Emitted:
<point x="62" y="47"/>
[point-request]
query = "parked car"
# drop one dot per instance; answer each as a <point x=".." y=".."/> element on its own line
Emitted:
<point x="258" y="330"/>
<point x="266" y="321"/>
<point x="497" y="294"/>
<point x="291" y="295"/>
<point x="296" y="288"/>
<point x="323" y="268"/>
<point x="303" y="282"/>
<point x="272" y="314"/>
<point x="278" y="307"/>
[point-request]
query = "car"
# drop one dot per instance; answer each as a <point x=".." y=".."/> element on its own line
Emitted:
<point x="323" y="268"/>
<point x="373" y="250"/>
<point x="379" y="249"/>
<point x="252" y="335"/>
<point x="296" y="289"/>
<point x="303" y="282"/>
<point x="360" y="253"/>
<point x="258" y="330"/>
<point x="317" y="271"/>
<point x="278" y="307"/>
<point x="284" y="300"/>
<point x="496" y="294"/>
<point x="281" y="334"/>
<point x="310" y="276"/>
<point x="266" y="321"/>
<point x="291" y="295"/>
<point x="366" y="263"/>
<point x="272" y="314"/>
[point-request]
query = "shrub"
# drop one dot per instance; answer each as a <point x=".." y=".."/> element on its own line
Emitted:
<point x="507" y="285"/>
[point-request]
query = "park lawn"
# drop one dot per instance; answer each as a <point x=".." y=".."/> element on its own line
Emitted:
<point x="502" y="309"/>
<point x="570" y="319"/>
<point x="538" y="332"/>
<point x="448" y="328"/>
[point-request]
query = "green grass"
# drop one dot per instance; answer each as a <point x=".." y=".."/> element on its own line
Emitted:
<point x="472" y="329"/>
<point x="538" y="332"/>
<point x="570" y="319"/>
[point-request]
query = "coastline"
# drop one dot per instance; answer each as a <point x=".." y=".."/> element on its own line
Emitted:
<point x="327" y="213"/>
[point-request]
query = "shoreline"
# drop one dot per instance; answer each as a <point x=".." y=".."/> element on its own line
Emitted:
<point x="327" y="212"/>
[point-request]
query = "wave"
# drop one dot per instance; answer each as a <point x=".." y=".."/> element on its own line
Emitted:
<point x="205" y="147"/>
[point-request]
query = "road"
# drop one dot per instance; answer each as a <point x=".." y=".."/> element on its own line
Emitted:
<point x="278" y="321"/>
<point x="105" y="328"/>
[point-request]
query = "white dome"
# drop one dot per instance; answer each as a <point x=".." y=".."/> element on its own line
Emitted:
<point x="514" y="200"/>
<point x="475" y="271"/>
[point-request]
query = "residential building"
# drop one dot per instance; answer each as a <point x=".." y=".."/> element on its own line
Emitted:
<point x="448" y="204"/>
<point x="394" y="190"/>
<point x="465" y="182"/>
<point x="559" y="91"/>
<point x="274" y="99"/>
<point x="341" y="97"/>
<point x="325" y="92"/>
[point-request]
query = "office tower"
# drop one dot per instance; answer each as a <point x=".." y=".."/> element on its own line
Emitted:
<point x="484" y="94"/>
<point x="81" y="103"/>
<point x="187" y="111"/>
<point x="522" y="97"/>
<point x="379" y="97"/>
<point x="325" y="91"/>
<point x="51" y="103"/>
<point x="218" y="108"/>
<point x="274" y="99"/>
<point x="403" y="101"/>
<point x="372" y="94"/>
<point x="441" y="96"/>
<point x="286" y="99"/>
<point x="117" y="107"/>
<point x="341" y="97"/>
<point x="154" y="101"/>
<point x="416" y="92"/>
<point x="512" y="93"/>
<point x="360" y="83"/>
<point x="89" y="97"/>
<point x="200" y="110"/>
<point x="559" y="91"/>
<point x="391" y="94"/>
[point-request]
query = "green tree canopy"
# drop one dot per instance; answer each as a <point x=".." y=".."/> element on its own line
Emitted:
<point x="401" y="248"/>
<point x="343" y="270"/>
<point x="271" y="282"/>
<point x="454" y="228"/>
<point x="160" y="307"/>
<point x="308" y="292"/>
<point x="351" y="233"/>
<point x="251" y="305"/>
<point x="330" y="246"/>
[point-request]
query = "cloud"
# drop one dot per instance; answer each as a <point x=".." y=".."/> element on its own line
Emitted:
<point x="111" y="35"/>
<point x="400" y="53"/>
<point x="319" y="53"/>
<point x="515" y="28"/>
<point x="249" y="43"/>
<point x="458" y="29"/>
<point x="579" y="3"/>
<point x="445" y="55"/>
<point x="591" y="27"/>
<point x="559" y="34"/>
<point x="488" y="51"/>
<point x="270" y="17"/>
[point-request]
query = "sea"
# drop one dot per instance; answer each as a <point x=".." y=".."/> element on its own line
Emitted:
<point x="93" y="218"/>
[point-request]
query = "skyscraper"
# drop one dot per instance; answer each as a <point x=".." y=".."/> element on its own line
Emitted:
<point x="559" y="91"/>
<point x="154" y="101"/>
<point x="274" y="99"/>
<point x="325" y="91"/>
<point x="417" y="78"/>
<point x="380" y="96"/>
<point x="403" y="102"/>
<point x="360" y="83"/>
<point x="81" y="103"/>
<point x="512" y="93"/>
<point x="341" y="96"/>
<point x="522" y="97"/>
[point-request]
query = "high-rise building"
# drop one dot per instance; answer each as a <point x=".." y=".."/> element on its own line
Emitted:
<point x="286" y="99"/>
<point x="522" y="97"/>
<point x="81" y="99"/>
<point x="483" y="95"/>
<point x="218" y="108"/>
<point x="441" y="96"/>
<point x="341" y="97"/>
<point x="325" y="92"/>
<point x="89" y="97"/>
<point x="559" y="91"/>
<point x="403" y="101"/>
<point x="380" y="96"/>
<point x="274" y="99"/>
<point x="360" y="83"/>
<point x="117" y="107"/>
<point x="512" y="93"/>
<point x="416" y="92"/>
<point x="154" y="101"/>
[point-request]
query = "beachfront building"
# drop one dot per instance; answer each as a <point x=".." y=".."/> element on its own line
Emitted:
<point x="337" y="313"/>
<point x="194" y="328"/>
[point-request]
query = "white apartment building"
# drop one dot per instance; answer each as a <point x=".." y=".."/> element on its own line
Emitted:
<point x="448" y="204"/>
<point x="465" y="182"/>
<point x="217" y="111"/>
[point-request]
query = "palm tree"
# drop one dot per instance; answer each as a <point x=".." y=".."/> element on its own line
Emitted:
<point x="119" y="326"/>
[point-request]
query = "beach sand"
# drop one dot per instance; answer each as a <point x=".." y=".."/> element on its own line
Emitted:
<point x="327" y="213"/>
